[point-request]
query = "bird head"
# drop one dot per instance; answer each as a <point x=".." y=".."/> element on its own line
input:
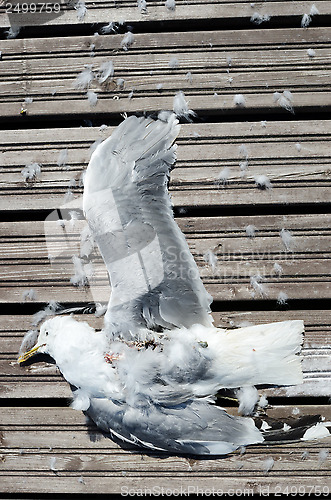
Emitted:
<point x="46" y="337"/>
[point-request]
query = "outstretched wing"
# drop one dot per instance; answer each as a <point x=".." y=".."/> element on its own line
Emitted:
<point x="155" y="281"/>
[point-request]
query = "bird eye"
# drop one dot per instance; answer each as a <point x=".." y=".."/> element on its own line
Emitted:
<point x="46" y="333"/>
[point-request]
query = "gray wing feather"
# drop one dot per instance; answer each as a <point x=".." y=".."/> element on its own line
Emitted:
<point x="155" y="281"/>
<point x="194" y="427"/>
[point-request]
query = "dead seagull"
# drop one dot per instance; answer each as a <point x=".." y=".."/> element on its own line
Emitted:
<point x="151" y="375"/>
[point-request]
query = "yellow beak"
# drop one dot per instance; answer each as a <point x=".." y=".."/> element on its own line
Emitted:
<point x="30" y="353"/>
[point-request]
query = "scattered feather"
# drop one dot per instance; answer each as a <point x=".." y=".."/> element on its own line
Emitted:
<point x="224" y="175"/>
<point x="13" y="31"/>
<point x="81" y="10"/>
<point x="304" y="455"/>
<point x="86" y="242"/>
<point x="314" y="10"/>
<point x="262" y="182"/>
<point x="239" y="100"/>
<point x="142" y="5"/>
<point x="52" y="464"/>
<point x="170" y="4"/>
<point x="211" y="260"/>
<point x="82" y="272"/>
<point x="250" y="230"/>
<point x="189" y="77"/>
<point x="84" y="79"/>
<point x="31" y="172"/>
<point x="318" y="431"/>
<point x="243" y="165"/>
<point x="229" y="61"/>
<point x="120" y="82"/>
<point x="277" y="269"/>
<point x="282" y="298"/>
<point x="72" y="183"/>
<point x="81" y="480"/>
<point x="286" y="427"/>
<point x="28" y="100"/>
<point x="263" y="123"/>
<point x="130" y="95"/>
<point x="69" y="196"/>
<point x="263" y="402"/>
<point x="311" y="52"/>
<point x="106" y="71"/>
<point x="296" y="411"/>
<point x="108" y="28"/>
<point x="256" y="283"/>
<point x="298" y="147"/>
<point x="159" y="86"/>
<point x="173" y="63"/>
<point x="268" y="464"/>
<point x="323" y="455"/>
<point x="287" y="239"/>
<point x="62" y="158"/>
<point x="92" y="97"/>
<point x="243" y="151"/>
<point x="127" y="40"/>
<point x="307" y="18"/>
<point x="285" y="100"/>
<point x="49" y="310"/>
<point x="248" y="398"/>
<point x="180" y="106"/>
<point x="259" y="18"/>
<point x="305" y="21"/>
<point x="74" y="216"/>
<point x="29" y="294"/>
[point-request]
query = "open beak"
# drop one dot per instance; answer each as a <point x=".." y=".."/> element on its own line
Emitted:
<point x="29" y="354"/>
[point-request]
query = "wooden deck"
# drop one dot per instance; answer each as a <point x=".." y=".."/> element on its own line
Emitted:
<point x="47" y="449"/>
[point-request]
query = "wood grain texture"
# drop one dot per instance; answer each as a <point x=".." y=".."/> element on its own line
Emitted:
<point x="47" y="449"/>
<point x="39" y="256"/>
<point x="186" y="10"/>
<point x="220" y="66"/>
<point x="60" y="452"/>
<point x="295" y="156"/>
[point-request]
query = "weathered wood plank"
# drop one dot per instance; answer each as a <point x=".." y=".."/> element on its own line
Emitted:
<point x="217" y="74"/>
<point x="99" y="12"/>
<point x="187" y="484"/>
<point x="203" y="102"/>
<point x="298" y="172"/>
<point x="26" y="248"/>
<point x="279" y="39"/>
<point x="81" y="462"/>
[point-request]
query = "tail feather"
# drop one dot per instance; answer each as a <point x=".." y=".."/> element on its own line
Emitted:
<point x="262" y="354"/>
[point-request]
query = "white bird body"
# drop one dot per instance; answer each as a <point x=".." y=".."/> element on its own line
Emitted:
<point x="150" y="376"/>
